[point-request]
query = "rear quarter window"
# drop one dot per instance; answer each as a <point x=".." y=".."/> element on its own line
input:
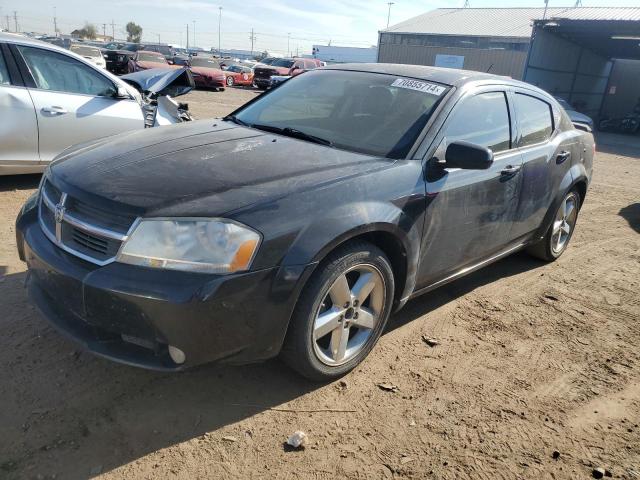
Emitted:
<point x="535" y="118"/>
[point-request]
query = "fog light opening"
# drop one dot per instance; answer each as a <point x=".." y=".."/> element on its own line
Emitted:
<point x="177" y="355"/>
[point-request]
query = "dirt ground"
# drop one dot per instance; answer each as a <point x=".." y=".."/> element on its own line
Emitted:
<point x="532" y="359"/>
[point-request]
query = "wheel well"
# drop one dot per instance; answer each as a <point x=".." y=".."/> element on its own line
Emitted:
<point x="392" y="248"/>
<point x="581" y="187"/>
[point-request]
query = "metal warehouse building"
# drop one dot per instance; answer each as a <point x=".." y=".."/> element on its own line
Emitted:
<point x="569" y="52"/>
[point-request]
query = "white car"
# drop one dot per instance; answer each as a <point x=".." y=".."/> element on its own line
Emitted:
<point x="51" y="98"/>
<point x="93" y="54"/>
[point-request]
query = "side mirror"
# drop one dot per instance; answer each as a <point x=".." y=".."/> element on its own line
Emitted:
<point x="468" y="156"/>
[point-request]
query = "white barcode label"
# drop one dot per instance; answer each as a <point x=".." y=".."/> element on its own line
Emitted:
<point x="425" y="87"/>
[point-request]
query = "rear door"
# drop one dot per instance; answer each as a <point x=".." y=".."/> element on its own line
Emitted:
<point x="74" y="102"/>
<point x="547" y="152"/>
<point x="18" y="124"/>
<point x="470" y="213"/>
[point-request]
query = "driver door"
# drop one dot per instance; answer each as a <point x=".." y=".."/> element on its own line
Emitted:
<point x="74" y="103"/>
<point x="470" y="213"/>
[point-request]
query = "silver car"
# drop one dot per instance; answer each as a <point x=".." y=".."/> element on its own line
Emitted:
<point x="51" y="98"/>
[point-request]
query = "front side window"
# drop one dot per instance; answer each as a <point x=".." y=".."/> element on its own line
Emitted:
<point x="483" y="120"/>
<point x="4" y="72"/>
<point x="372" y="113"/>
<point x="535" y="118"/>
<point x="61" y="73"/>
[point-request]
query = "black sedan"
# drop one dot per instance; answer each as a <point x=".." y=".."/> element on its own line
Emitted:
<point x="297" y="224"/>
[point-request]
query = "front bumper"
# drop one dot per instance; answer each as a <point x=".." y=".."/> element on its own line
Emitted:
<point x="132" y="314"/>
<point x="262" y="82"/>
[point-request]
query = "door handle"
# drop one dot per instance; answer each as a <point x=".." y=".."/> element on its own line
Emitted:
<point x="54" y="110"/>
<point x="563" y="156"/>
<point x="511" y="170"/>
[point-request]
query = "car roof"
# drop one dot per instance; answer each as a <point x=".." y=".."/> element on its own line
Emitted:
<point x="150" y="51"/>
<point x="448" y="76"/>
<point x="24" y="40"/>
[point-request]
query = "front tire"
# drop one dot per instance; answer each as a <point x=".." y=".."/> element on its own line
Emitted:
<point x="341" y="313"/>
<point x="229" y="81"/>
<point x="557" y="238"/>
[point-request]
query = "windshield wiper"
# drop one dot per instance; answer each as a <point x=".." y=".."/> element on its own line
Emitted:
<point x="292" y="132"/>
<point x="236" y="120"/>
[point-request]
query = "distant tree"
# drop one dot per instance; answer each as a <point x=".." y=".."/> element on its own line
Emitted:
<point x="134" y="32"/>
<point x="88" y="31"/>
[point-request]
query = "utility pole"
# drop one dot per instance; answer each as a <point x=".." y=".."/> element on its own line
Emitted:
<point x="187" y="36"/>
<point x="252" y="37"/>
<point x="158" y="39"/>
<point x="389" y="12"/>
<point x="219" y="31"/>
<point x="113" y="30"/>
<point x="55" y="23"/>
<point x="289" y="44"/>
<point x="15" y="20"/>
<point x="194" y="33"/>
<point x="104" y="31"/>
<point x="8" y="23"/>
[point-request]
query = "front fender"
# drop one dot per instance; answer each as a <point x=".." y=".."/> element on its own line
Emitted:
<point x="333" y="228"/>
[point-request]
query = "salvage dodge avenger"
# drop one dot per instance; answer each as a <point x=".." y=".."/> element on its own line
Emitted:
<point x="298" y="223"/>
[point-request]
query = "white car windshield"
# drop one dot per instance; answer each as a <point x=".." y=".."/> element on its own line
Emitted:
<point x="370" y="113"/>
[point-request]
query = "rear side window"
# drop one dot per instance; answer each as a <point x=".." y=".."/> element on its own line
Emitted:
<point x="61" y="73"/>
<point x="535" y="118"/>
<point x="4" y="72"/>
<point x="484" y="120"/>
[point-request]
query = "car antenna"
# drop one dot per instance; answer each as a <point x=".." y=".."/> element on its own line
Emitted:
<point x="489" y="69"/>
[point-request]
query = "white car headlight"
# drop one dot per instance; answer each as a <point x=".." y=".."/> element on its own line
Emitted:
<point x="191" y="244"/>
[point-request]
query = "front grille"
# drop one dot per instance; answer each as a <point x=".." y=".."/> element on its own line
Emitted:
<point x="93" y="234"/>
<point x="263" y="72"/>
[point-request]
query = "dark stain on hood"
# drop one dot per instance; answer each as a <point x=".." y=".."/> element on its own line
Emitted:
<point x="200" y="169"/>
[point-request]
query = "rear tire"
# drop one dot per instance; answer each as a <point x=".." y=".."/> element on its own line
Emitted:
<point x="341" y="313"/>
<point x="229" y="81"/>
<point x="557" y="238"/>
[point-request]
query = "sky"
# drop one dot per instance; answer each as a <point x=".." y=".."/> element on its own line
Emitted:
<point x="279" y="25"/>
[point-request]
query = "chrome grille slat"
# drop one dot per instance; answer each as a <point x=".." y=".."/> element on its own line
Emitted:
<point x="79" y="228"/>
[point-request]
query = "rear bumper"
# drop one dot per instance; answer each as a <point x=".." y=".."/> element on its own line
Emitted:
<point x="206" y="82"/>
<point x="118" y="68"/>
<point x="131" y="314"/>
<point x="262" y="82"/>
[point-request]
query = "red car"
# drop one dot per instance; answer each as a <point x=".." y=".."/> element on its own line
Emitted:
<point x="238" y="75"/>
<point x="207" y="73"/>
<point x="144" y="60"/>
<point x="283" y="66"/>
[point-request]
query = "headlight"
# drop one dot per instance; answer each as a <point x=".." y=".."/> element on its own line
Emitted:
<point x="191" y="244"/>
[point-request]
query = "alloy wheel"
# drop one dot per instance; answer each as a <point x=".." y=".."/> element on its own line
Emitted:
<point x="348" y="314"/>
<point x="564" y="223"/>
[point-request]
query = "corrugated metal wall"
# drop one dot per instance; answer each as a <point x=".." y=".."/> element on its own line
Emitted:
<point x="568" y="70"/>
<point x="623" y="93"/>
<point x="502" y="62"/>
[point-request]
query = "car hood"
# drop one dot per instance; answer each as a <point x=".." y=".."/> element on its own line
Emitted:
<point x="162" y="81"/>
<point x="204" y="168"/>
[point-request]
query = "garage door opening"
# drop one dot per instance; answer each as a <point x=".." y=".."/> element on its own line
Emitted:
<point x="573" y="57"/>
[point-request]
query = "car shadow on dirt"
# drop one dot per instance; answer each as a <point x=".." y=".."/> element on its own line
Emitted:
<point x="631" y="213"/>
<point x="66" y="409"/>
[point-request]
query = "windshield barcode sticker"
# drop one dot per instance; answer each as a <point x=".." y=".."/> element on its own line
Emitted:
<point x="431" y="88"/>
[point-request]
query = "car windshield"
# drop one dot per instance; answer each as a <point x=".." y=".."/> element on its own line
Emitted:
<point x="371" y="113"/>
<point x="282" y="62"/>
<point x="151" y="57"/>
<point x="85" y="51"/>
<point x="204" y="62"/>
